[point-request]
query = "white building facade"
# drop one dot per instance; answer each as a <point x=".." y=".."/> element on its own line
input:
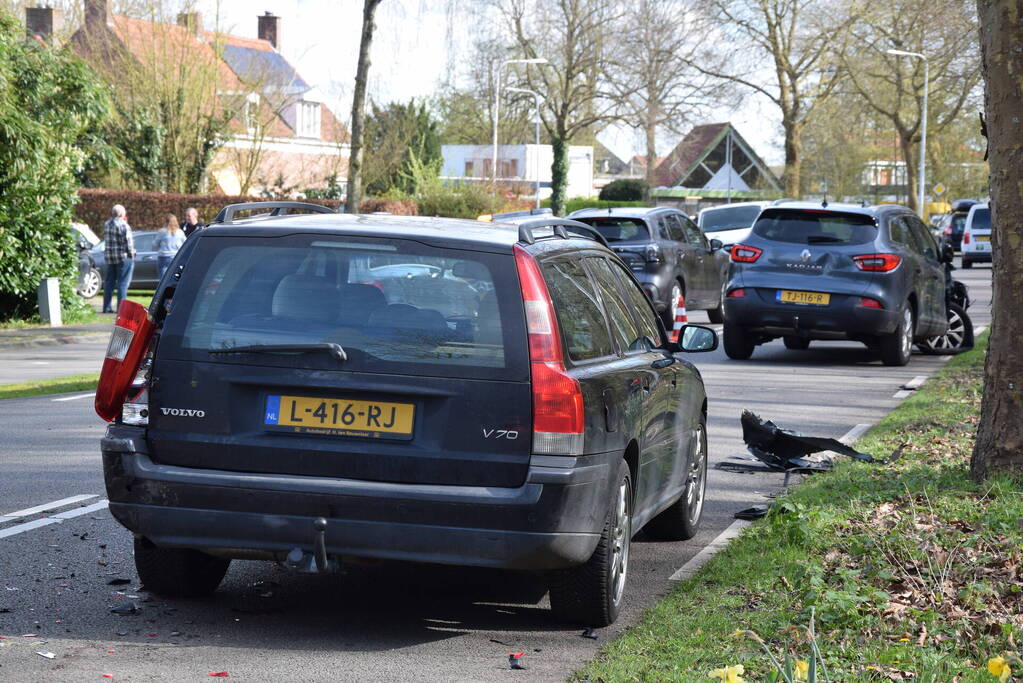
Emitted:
<point x="519" y="164"/>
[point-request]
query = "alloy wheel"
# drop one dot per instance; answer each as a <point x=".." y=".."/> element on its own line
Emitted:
<point x="620" y="538"/>
<point x="90" y="284"/>
<point x="907" y="332"/>
<point x="696" y="485"/>
<point x="953" y="338"/>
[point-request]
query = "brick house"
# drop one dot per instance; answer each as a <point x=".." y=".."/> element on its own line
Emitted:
<point x="280" y="130"/>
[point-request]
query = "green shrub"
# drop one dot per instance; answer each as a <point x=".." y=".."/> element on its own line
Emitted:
<point x="623" y="190"/>
<point x="50" y="104"/>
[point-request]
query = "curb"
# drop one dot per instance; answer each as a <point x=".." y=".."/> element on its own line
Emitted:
<point x="52" y="340"/>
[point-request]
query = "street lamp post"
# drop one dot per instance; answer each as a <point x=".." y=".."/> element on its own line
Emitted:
<point x="497" y="102"/>
<point x="923" y="129"/>
<point x="536" y="153"/>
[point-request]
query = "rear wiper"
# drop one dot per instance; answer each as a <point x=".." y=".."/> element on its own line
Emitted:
<point x="815" y="239"/>
<point x="315" y="347"/>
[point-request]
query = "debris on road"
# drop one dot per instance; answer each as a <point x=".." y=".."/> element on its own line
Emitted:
<point x="124" y="610"/>
<point x="513" y="660"/>
<point x="219" y="674"/>
<point x="751" y="513"/>
<point x="118" y="582"/>
<point x="589" y="633"/>
<point x="47" y="655"/>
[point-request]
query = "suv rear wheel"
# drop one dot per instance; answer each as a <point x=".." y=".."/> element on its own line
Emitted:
<point x="591" y="594"/>
<point x="681" y="521"/>
<point x="897" y="346"/>
<point x="739" y="343"/>
<point x="796" y="343"/>
<point x="178" y="572"/>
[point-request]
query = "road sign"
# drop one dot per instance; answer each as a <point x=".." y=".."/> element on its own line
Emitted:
<point x="939" y="189"/>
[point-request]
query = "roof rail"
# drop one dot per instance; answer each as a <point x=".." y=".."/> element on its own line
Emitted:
<point x="560" y="227"/>
<point x="273" y="208"/>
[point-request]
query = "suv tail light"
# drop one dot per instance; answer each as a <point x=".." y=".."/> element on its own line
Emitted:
<point x="558" y="416"/>
<point x="129" y="341"/>
<point x="877" y="263"/>
<point x="867" y="302"/>
<point x="966" y="237"/>
<point x="948" y="230"/>
<point x="742" y="253"/>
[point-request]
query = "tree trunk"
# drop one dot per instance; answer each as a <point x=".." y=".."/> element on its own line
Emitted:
<point x="999" y="445"/>
<point x="354" y="198"/>
<point x="650" y="128"/>
<point x="559" y="174"/>
<point x="793" y="158"/>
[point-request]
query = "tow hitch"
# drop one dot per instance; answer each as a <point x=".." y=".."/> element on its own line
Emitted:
<point x="316" y="562"/>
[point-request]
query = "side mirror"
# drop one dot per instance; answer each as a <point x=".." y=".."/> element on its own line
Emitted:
<point x="716" y="244"/>
<point x="695" y="339"/>
<point x="947" y="252"/>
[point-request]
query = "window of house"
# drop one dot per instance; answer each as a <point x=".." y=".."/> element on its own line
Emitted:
<point x="469" y="166"/>
<point x="309" y="119"/>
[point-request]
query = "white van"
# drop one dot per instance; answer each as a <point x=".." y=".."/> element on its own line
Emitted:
<point x="977" y="236"/>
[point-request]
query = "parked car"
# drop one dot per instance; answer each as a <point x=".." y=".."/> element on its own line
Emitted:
<point x="976" y="245"/>
<point x="269" y="405"/>
<point x="668" y="255"/>
<point x="729" y="223"/>
<point x="146" y="274"/>
<point x="820" y="272"/>
<point x="89" y="279"/>
<point x="952" y="223"/>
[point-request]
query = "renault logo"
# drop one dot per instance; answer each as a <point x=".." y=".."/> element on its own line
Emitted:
<point x="805" y="255"/>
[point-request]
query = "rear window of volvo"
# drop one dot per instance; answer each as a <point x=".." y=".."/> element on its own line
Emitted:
<point x="815" y="227"/>
<point x="394" y="306"/>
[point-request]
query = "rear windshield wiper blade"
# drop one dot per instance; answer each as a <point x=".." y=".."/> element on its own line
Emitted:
<point x="314" y="347"/>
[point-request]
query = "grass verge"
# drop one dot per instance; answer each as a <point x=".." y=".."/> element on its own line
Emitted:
<point x="58" y="385"/>
<point x="910" y="570"/>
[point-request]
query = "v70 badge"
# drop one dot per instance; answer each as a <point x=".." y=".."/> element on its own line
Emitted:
<point x="509" y="434"/>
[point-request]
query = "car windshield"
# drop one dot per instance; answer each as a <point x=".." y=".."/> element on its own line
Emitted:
<point x="618" y="229"/>
<point x="981" y="220"/>
<point x="392" y="305"/>
<point x="801" y="226"/>
<point x="729" y="218"/>
<point x="958" y="220"/>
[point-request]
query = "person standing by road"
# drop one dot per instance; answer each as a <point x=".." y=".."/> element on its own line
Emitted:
<point x="191" y="223"/>
<point x="119" y="254"/>
<point x="167" y="242"/>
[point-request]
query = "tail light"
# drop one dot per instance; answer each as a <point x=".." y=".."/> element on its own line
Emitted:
<point x="742" y="253"/>
<point x="877" y="263"/>
<point x="739" y="293"/>
<point x="558" y="416"/>
<point x="867" y="302"/>
<point x="129" y="342"/>
<point x="966" y="238"/>
<point x="948" y="230"/>
<point x="653" y="253"/>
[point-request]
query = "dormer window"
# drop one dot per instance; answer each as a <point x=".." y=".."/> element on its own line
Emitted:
<point x="309" y="119"/>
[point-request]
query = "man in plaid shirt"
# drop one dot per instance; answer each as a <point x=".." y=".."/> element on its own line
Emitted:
<point x="119" y="255"/>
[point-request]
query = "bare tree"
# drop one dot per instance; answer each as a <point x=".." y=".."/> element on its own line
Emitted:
<point x="657" y="88"/>
<point x="782" y="50"/>
<point x="576" y="37"/>
<point x="359" y="108"/>
<point x="999" y="445"/>
<point x="894" y="89"/>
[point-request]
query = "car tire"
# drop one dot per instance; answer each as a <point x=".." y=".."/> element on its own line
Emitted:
<point x="178" y="572"/>
<point x="897" y="346"/>
<point x="681" y="521"/>
<point x="592" y="593"/>
<point x="958" y="337"/>
<point x="967" y="264"/>
<point x="796" y="343"/>
<point x="668" y="315"/>
<point x="738" y="343"/>
<point x="91" y="285"/>
<point x="717" y="315"/>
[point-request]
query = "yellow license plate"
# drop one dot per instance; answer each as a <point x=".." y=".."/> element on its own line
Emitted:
<point x="983" y="238"/>
<point x="791" y="296"/>
<point x="339" y="417"/>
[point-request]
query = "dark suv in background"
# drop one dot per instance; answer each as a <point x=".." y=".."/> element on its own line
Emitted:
<point x="311" y="388"/>
<point x="816" y="271"/>
<point x="952" y="223"/>
<point x="667" y="253"/>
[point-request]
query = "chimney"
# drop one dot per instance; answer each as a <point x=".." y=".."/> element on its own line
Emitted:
<point x="97" y="13"/>
<point x="43" y="22"/>
<point x="191" y="21"/>
<point x="270" y="29"/>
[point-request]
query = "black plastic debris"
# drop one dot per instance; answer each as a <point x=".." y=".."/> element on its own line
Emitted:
<point x="589" y="633"/>
<point x="500" y="642"/>
<point x="782" y="449"/>
<point x="751" y="513"/>
<point x="118" y="582"/>
<point x="124" y="610"/>
<point x="514" y="660"/>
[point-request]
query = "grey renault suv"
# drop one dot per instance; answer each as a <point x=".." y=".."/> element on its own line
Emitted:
<point x="809" y="272"/>
<point x="313" y="388"/>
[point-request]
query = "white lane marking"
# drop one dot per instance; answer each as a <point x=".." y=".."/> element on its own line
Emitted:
<point x="853" y="435"/>
<point x="56" y="519"/>
<point x="979" y="330"/>
<point x="46" y="506"/>
<point x="75" y="398"/>
<point x="710" y="550"/>
<point x="915" y="383"/>
<point x="902" y="393"/>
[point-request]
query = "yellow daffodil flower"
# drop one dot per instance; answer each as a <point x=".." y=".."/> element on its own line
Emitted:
<point x="729" y="674"/>
<point x="997" y="666"/>
<point x="802" y="669"/>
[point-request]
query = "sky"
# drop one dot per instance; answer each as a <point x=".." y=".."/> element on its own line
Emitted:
<point x="415" y="47"/>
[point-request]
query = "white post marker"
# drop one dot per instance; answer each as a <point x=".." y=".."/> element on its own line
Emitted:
<point x="49" y="302"/>
<point x="680" y="318"/>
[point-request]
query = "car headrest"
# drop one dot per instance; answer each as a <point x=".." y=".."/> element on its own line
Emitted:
<point x="306" y="297"/>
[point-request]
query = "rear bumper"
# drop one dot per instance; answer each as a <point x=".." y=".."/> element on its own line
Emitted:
<point x="843" y="318"/>
<point x="657" y="287"/>
<point x="977" y="256"/>
<point x="554" y="520"/>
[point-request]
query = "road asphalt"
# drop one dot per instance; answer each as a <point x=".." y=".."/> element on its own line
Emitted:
<point x="373" y="622"/>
